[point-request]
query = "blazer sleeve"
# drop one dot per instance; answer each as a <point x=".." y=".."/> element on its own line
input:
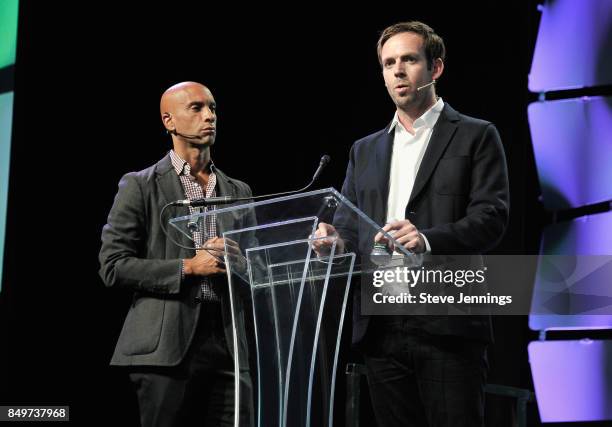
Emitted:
<point x="487" y="209"/>
<point x="345" y="220"/>
<point x="123" y="255"/>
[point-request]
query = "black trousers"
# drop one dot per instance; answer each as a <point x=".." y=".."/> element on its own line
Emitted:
<point x="199" y="391"/>
<point x="418" y="379"/>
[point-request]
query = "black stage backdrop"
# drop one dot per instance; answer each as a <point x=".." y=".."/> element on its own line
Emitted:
<point x="292" y="82"/>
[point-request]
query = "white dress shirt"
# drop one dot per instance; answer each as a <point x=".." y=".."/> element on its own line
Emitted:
<point x="408" y="152"/>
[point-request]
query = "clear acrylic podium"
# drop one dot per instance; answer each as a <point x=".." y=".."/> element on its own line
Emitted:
<point x="287" y="302"/>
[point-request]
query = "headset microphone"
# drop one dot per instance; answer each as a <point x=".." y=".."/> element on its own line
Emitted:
<point x="433" y="82"/>
<point x="174" y="132"/>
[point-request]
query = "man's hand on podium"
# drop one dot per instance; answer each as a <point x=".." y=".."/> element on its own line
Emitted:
<point x="404" y="233"/>
<point x="208" y="260"/>
<point x="322" y="246"/>
<point x="237" y="260"/>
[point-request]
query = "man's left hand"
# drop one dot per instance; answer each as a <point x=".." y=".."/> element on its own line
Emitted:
<point x="404" y="233"/>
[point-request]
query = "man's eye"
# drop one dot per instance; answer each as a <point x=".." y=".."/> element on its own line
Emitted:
<point x="195" y="108"/>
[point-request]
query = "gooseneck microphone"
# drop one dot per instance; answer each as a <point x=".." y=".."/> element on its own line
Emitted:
<point x="208" y="201"/>
<point x="229" y="199"/>
<point x="325" y="159"/>
<point x="224" y="200"/>
<point x="433" y="82"/>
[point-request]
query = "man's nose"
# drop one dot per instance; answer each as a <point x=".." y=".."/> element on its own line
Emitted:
<point x="399" y="70"/>
<point x="209" y="115"/>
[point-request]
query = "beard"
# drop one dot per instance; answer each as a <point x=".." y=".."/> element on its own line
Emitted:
<point x="402" y="101"/>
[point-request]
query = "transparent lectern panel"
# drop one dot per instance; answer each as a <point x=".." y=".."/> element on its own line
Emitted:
<point x="289" y="317"/>
<point x="287" y="301"/>
<point x="270" y="220"/>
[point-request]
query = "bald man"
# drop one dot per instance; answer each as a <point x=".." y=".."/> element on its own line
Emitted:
<point x="177" y="336"/>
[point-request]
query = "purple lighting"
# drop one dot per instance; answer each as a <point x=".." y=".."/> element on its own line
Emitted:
<point x="584" y="236"/>
<point x="572" y="379"/>
<point x="573" y="46"/>
<point x="572" y="141"/>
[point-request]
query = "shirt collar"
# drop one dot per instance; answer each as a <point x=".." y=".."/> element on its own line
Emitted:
<point x="182" y="167"/>
<point x="428" y="118"/>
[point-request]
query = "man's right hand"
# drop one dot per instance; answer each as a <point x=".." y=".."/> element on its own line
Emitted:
<point x="322" y="246"/>
<point x="207" y="261"/>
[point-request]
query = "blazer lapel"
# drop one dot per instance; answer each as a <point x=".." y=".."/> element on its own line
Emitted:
<point x="171" y="189"/>
<point x="226" y="220"/>
<point x="169" y="182"/>
<point x="442" y="134"/>
<point x="384" y="147"/>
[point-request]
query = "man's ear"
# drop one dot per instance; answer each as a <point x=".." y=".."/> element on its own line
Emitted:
<point x="168" y="121"/>
<point x="438" y="68"/>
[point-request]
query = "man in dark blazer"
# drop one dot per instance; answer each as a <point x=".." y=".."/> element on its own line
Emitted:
<point x="438" y="181"/>
<point x="177" y="336"/>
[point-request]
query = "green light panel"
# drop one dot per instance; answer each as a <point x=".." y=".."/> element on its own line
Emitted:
<point x="8" y="31"/>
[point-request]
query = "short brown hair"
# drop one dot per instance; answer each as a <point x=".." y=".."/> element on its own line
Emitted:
<point x="434" y="45"/>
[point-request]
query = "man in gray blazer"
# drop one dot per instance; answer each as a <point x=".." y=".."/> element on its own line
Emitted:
<point x="177" y="336"/>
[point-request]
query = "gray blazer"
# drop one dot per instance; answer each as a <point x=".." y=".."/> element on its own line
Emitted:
<point x="136" y="255"/>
